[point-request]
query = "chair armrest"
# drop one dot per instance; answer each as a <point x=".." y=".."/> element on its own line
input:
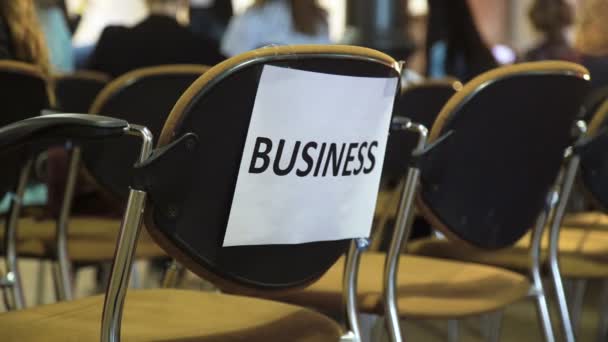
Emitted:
<point x="57" y="128"/>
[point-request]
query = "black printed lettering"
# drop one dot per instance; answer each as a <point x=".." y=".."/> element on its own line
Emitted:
<point x="349" y="158"/>
<point x="307" y="159"/>
<point x="320" y="159"/>
<point x="371" y="157"/>
<point x="362" y="148"/>
<point x="333" y="159"/>
<point x="259" y="154"/>
<point x="276" y="167"/>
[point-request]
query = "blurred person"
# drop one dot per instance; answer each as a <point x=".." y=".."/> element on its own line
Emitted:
<point x="20" y="35"/>
<point x="551" y="18"/>
<point x="210" y="18"/>
<point x="591" y="41"/>
<point x="158" y="39"/>
<point x="53" y="19"/>
<point x="284" y="22"/>
<point x="454" y="44"/>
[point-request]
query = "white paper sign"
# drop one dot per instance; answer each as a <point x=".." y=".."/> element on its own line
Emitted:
<point x="312" y="160"/>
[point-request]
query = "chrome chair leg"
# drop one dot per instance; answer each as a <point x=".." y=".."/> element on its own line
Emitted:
<point x="538" y="289"/>
<point x="576" y="303"/>
<point x="453" y="330"/>
<point x="351" y="274"/>
<point x="173" y="275"/>
<point x="13" y="276"/>
<point x="602" y="330"/>
<point x="554" y="267"/>
<point x="125" y="250"/>
<point x="40" y="282"/>
<point x="64" y="265"/>
<point x="400" y="236"/>
<point x="491" y="325"/>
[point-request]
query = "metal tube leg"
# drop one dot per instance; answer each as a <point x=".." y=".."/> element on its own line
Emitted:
<point x="351" y="274"/>
<point x="602" y="330"/>
<point x="555" y="273"/>
<point x="491" y="324"/>
<point x="576" y="304"/>
<point x="64" y="265"/>
<point x="173" y="275"/>
<point x="400" y="237"/>
<point x="453" y="330"/>
<point x="119" y="278"/>
<point x="40" y="279"/>
<point x="125" y="250"/>
<point x="13" y="276"/>
<point x="538" y="290"/>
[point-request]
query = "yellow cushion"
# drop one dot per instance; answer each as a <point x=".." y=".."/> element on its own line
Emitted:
<point x="428" y="288"/>
<point x="172" y="315"/>
<point x="587" y="220"/>
<point x="583" y="253"/>
<point x="90" y="239"/>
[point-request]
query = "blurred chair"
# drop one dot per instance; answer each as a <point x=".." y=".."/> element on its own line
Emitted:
<point x="76" y="92"/>
<point x="84" y="238"/>
<point x="421" y="103"/>
<point x="479" y="187"/>
<point x="25" y="94"/>
<point x="574" y="249"/>
<point x="146" y="96"/>
<point x="186" y="193"/>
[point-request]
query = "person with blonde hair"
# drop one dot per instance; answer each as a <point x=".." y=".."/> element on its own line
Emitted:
<point x="20" y="35"/>
<point x="591" y="40"/>
<point x="283" y="22"/>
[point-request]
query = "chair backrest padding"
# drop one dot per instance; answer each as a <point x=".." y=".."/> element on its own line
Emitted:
<point x="420" y="103"/>
<point x="76" y="92"/>
<point x="145" y="97"/>
<point x="218" y="108"/>
<point x="487" y="183"/>
<point x="594" y="159"/>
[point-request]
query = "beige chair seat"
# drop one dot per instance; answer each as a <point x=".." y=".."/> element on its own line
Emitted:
<point x="428" y="288"/>
<point x="172" y="315"/>
<point x="90" y="239"/>
<point x="583" y="253"/>
<point x="587" y="220"/>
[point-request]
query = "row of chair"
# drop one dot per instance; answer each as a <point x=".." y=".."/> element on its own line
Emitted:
<point x="473" y="181"/>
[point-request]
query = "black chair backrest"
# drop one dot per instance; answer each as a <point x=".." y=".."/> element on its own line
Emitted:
<point x="24" y="95"/>
<point x="594" y="159"/>
<point x="75" y="93"/>
<point x="488" y="181"/>
<point x="420" y="103"/>
<point x="218" y="108"/>
<point x="145" y="97"/>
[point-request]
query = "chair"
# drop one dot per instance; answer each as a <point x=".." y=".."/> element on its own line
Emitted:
<point x="472" y="158"/>
<point x="75" y="92"/>
<point x="25" y="94"/>
<point x="577" y="251"/>
<point x="86" y="238"/>
<point x="209" y="123"/>
<point x="421" y="103"/>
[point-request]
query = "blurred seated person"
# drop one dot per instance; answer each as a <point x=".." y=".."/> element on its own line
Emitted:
<point x="54" y="23"/>
<point x="454" y="45"/>
<point x="21" y="38"/>
<point x="283" y="22"/>
<point x="158" y="39"/>
<point x="210" y="18"/>
<point x="551" y="18"/>
<point x="591" y="40"/>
